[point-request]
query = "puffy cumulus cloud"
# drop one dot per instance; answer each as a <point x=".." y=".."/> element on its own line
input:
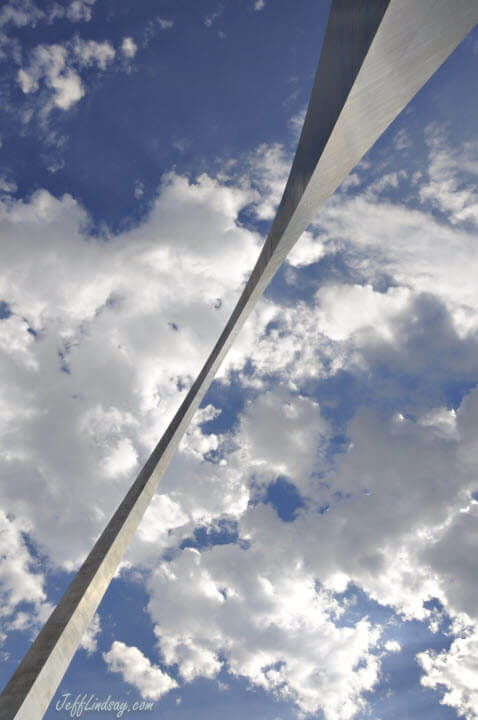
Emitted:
<point x="413" y="369"/>
<point x="275" y="628"/>
<point x="283" y="434"/>
<point x="399" y="523"/>
<point x="454" y="673"/>
<point x="347" y="309"/>
<point x="259" y="5"/>
<point x="409" y="245"/>
<point x="116" y="340"/>
<point x="393" y="646"/>
<point x="49" y="64"/>
<point x="389" y="512"/>
<point x="55" y="68"/>
<point x="137" y="670"/>
<point x="390" y="574"/>
<point x="121" y="460"/>
<point x="161" y="517"/>
<point x="452" y="556"/>
<point x="396" y="523"/>
<point x="413" y="248"/>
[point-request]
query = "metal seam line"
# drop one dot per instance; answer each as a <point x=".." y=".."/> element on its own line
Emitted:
<point x="376" y="55"/>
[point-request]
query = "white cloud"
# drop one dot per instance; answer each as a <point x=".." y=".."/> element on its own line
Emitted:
<point x="18" y="582"/>
<point x="384" y="183"/>
<point x="297" y="122"/>
<point x="273" y="627"/>
<point x="402" y="140"/>
<point x="397" y="526"/>
<point x="198" y="491"/>
<point x="89" y="641"/>
<point x="308" y="250"/>
<point x="210" y="19"/>
<point x="282" y="435"/>
<point x="138" y="189"/>
<point x="447" y="189"/>
<point x="20" y="13"/>
<point x="137" y="670"/>
<point x="129" y="47"/>
<point x="155" y="26"/>
<point x="165" y="24"/>
<point x="269" y="167"/>
<point x="408" y="245"/>
<point x="391" y="511"/>
<point x="49" y="64"/>
<point x="57" y="68"/>
<point x="284" y="342"/>
<point x="393" y="646"/>
<point x="347" y="309"/>
<point x="7" y="186"/>
<point x="121" y="460"/>
<point x="162" y="516"/>
<point x="115" y="394"/>
<point x="452" y="557"/>
<point x="454" y="672"/>
<point x="400" y="503"/>
<point x="80" y="10"/>
<point x="259" y="5"/>
<point x="90" y="52"/>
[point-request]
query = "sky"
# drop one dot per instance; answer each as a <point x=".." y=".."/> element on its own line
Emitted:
<point x="310" y="552"/>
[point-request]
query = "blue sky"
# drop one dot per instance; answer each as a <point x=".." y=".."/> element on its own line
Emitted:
<point x="310" y="552"/>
